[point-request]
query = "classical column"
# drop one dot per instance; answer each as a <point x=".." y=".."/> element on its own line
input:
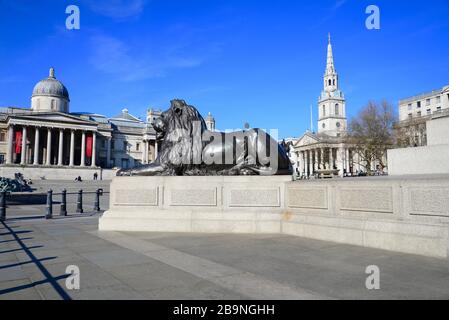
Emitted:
<point x="94" y="149"/>
<point x="331" y="159"/>
<point x="36" y="146"/>
<point x="322" y="158"/>
<point x="143" y="151"/>
<point x="9" y="159"/>
<point x="83" y="149"/>
<point x="72" y="148"/>
<point x="315" y="163"/>
<point x="303" y="163"/>
<point x="23" y="159"/>
<point x="155" y="149"/>
<point x="306" y="163"/>
<point x="48" y="162"/>
<point x="340" y="161"/>
<point x="347" y="161"/>
<point x="108" y="152"/>
<point x="61" y="147"/>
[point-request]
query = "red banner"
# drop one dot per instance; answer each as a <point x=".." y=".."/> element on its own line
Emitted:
<point x="18" y="142"/>
<point x="89" y="143"/>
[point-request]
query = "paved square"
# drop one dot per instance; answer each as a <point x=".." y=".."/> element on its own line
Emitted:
<point x="35" y="253"/>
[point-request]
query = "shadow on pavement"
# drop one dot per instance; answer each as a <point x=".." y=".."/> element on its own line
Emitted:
<point x="53" y="281"/>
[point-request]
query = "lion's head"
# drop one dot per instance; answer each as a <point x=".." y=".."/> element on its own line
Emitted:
<point x="180" y="116"/>
<point x="180" y="128"/>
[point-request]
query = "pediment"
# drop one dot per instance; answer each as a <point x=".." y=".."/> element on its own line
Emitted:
<point x="307" y="139"/>
<point x="53" y="117"/>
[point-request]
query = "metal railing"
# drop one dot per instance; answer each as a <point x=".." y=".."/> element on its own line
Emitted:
<point x="63" y="204"/>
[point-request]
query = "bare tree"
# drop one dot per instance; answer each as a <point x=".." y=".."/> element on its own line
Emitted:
<point x="371" y="132"/>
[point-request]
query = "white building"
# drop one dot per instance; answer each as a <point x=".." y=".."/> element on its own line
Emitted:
<point x="416" y="111"/>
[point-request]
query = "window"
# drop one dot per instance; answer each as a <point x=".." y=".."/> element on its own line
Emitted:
<point x="125" y="145"/>
<point x="337" y="109"/>
<point x="2" y="135"/>
<point x="2" y="158"/>
<point x="334" y="82"/>
<point x="330" y="82"/>
<point x="137" y="146"/>
<point x="419" y="113"/>
<point x="438" y="99"/>
<point x="338" y="124"/>
<point x="418" y="104"/>
<point x="428" y="102"/>
<point x="324" y="125"/>
<point x="438" y="109"/>
<point x="429" y="112"/>
<point x="324" y="110"/>
<point x="53" y="104"/>
<point x="409" y="115"/>
<point x="409" y="106"/>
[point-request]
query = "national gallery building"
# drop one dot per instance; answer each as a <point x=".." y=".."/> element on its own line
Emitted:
<point x="48" y="136"/>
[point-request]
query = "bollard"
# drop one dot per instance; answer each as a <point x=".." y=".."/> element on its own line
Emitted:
<point x="49" y="204"/>
<point x="3" y="206"/>
<point x="79" y="203"/>
<point x="63" y="211"/>
<point x="97" y="200"/>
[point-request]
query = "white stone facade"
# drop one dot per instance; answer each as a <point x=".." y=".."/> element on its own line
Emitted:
<point x="48" y="136"/>
<point x="424" y="105"/>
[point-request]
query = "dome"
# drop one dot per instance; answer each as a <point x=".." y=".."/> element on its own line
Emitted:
<point x="50" y="87"/>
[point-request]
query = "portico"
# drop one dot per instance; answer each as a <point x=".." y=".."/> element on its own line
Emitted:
<point x="322" y="155"/>
<point x="34" y="139"/>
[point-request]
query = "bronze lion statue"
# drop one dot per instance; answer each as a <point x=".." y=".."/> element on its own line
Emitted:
<point x="187" y="148"/>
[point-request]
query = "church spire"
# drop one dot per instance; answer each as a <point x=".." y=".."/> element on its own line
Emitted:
<point x="330" y="68"/>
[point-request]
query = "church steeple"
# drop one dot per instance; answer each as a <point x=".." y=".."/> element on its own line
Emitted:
<point x="332" y="104"/>
<point x="330" y="76"/>
<point x="330" y="68"/>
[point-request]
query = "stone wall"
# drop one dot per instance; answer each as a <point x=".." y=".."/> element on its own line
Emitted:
<point x="431" y="159"/>
<point x="419" y="160"/>
<point x="405" y="215"/>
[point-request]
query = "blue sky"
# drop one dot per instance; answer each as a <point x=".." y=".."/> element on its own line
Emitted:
<point x="260" y="62"/>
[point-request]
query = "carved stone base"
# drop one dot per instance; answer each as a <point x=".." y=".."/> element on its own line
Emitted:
<point x="409" y="215"/>
<point x="251" y="204"/>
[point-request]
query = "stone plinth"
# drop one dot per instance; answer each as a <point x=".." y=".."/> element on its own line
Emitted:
<point x="252" y="204"/>
<point x="408" y="215"/>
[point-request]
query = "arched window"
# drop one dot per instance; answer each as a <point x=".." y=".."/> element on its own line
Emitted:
<point x="53" y="104"/>
<point x="324" y="110"/>
<point x="334" y="82"/>
<point x="337" y="109"/>
<point x="330" y="82"/>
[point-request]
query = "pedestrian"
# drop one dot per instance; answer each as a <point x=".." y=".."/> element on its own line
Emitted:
<point x="95" y="176"/>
